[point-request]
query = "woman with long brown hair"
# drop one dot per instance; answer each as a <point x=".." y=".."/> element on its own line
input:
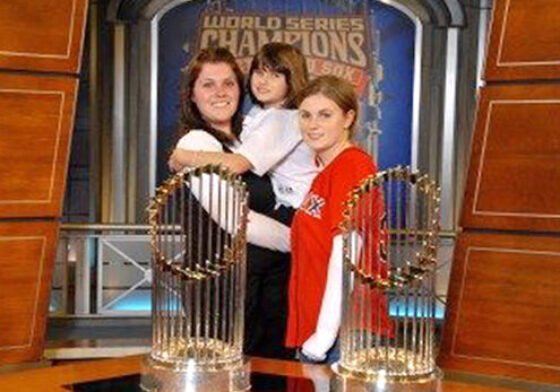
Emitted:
<point x="211" y="122"/>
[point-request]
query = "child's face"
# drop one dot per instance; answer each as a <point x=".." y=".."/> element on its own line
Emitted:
<point x="269" y="87"/>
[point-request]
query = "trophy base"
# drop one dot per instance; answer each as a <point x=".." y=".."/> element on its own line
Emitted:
<point x="346" y="381"/>
<point x="159" y="376"/>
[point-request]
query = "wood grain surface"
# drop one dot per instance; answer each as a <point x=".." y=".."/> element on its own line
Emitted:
<point x="36" y="122"/>
<point x="42" y="35"/>
<point x="513" y="180"/>
<point x="503" y="310"/>
<point x="27" y="253"/>
<point x="523" y="43"/>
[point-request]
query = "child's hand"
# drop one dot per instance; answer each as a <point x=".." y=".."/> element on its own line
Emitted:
<point x="176" y="159"/>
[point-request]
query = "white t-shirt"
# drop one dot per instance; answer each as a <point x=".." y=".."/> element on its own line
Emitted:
<point x="271" y="141"/>
<point x="261" y="230"/>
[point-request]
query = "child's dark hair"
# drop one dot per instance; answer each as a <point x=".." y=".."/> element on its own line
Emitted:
<point x="285" y="59"/>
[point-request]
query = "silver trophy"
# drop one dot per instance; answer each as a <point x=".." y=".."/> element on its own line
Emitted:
<point x="390" y="246"/>
<point x="198" y="226"/>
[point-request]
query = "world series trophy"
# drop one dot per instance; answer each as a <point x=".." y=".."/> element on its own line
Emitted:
<point x="388" y="309"/>
<point x="198" y="227"/>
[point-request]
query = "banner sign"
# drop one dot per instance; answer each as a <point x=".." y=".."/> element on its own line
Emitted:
<point x="335" y="45"/>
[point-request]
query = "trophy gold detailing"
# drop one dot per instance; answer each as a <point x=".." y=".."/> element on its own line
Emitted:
<point x="390" y="233"/>
<point x="197" y="227"/>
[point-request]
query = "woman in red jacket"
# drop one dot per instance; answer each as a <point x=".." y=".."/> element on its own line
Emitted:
<point x="328" y="109"/>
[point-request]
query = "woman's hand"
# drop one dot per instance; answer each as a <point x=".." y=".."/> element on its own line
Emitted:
<point x="178" y="159"/>
<point x="304" y="358"/>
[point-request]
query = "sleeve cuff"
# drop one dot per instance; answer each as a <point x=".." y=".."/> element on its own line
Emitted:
<point x="197" y="140"/>
<point x="318" y="344"/>
<point x="257" y="168"/>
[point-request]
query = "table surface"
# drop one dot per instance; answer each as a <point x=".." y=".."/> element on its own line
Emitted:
<point x="55" y="377"/>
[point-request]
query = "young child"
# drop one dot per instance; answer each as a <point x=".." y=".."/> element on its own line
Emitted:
<point x="270" y="142"/>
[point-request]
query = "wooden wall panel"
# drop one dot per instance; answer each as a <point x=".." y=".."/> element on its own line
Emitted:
<point x="524" y="41"/>
<point x="504" y="308"/>
<point x="27" y="253"/>
<point x="514" y="175"/>
<point x="36" y="121"/>
<point x="35" y="127"/>
<point x="42" y="35"/>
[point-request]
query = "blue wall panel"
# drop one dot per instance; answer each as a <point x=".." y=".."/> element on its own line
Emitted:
<point x="177" y="38"/>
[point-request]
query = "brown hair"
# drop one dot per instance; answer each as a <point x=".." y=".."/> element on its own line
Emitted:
<point x="337" y="90"/>
<point x="190" y="117"/>
<point x="285" y="59"/>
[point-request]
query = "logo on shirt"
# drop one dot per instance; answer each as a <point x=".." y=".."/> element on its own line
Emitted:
<point x="313" y="205"/>
<point x="286" y="189"/>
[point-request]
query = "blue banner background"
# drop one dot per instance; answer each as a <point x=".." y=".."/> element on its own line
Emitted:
<point x="178" y="30"/>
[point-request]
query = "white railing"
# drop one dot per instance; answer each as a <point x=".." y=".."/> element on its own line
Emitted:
<point x="103" y="270"/>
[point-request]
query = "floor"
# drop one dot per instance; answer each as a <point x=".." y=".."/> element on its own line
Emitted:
<point x="73" y="339"/>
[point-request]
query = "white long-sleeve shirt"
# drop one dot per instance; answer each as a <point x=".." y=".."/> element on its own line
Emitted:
<point x="261" y="230"/>
<point x="330" y="315"/>
<point x="271" y="141"/>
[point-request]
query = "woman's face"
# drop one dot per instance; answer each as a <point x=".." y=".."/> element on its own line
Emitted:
<point x="216" y="95"/>
<point x="323" y="124"/>
<point x="269" y="87"/>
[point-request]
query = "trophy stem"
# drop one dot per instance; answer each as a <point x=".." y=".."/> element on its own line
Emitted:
<point x="197" y="227"/>
<point x="158" y="376"/>
<point x="347" y="381"/>
<point x="389" y="299"/>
